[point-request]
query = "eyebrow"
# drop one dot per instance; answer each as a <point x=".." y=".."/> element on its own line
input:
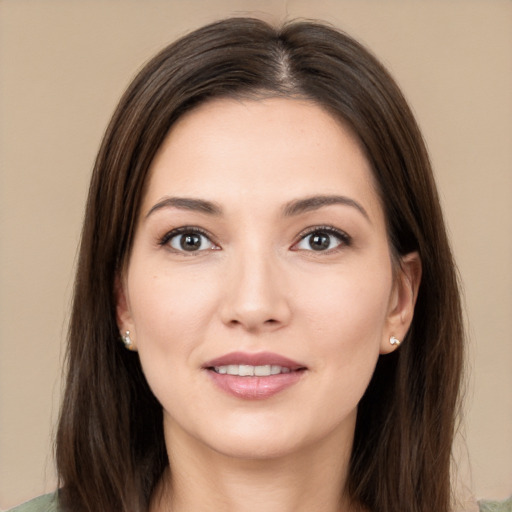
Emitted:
<point x="186" y="203"/>
<point x="312" y="203"/>
<point x="293" y="208"/>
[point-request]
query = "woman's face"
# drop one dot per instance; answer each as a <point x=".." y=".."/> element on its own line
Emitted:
<point x="259" y="291"/>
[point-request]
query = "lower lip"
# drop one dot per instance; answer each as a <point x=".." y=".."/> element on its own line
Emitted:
<point x="255" y="388"/>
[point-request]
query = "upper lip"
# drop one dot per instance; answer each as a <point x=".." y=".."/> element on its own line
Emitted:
<point x="254" y="359"/>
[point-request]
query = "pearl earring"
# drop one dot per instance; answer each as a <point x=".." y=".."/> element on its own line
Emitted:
<point x="128" y="343"/>
<point x="394" y="341"/>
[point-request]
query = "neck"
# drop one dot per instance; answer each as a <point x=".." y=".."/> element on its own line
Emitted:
<point x="203" y="479"/>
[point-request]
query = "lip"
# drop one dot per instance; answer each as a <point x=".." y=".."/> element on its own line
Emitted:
<point x="255" y="388"/>
<point x="254" y="359"/>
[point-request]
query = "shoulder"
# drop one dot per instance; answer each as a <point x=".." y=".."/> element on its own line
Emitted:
<point x="46" y="503"/>
<point x="496" y="506"/>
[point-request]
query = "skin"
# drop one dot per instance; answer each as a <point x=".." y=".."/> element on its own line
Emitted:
<point x="255" y="284"/>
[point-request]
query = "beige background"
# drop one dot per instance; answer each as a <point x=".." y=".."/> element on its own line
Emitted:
<point x="63" y="65"/>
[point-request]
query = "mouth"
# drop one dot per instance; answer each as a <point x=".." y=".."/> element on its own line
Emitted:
<point x="247" y="370"/>
<point x="254" y="376"/>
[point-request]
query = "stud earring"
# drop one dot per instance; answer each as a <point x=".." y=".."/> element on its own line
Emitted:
<point x="394" y="341"/>
<point x="128" y="343"/>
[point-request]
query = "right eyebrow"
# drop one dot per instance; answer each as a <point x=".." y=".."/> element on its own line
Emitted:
<point x="308" y="204"/>
<point x="186" y="203"/>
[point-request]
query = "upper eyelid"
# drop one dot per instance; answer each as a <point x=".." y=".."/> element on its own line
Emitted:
<point x="185" y="229"/>
<point x="329" y="229"/>
<point x="343" y="235"/>
<point x="345" y="240"/>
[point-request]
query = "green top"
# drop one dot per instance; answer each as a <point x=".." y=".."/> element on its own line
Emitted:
<point x="496" y="506"/>
<point x="46" y="503"/>
<point x="49" y="503"/>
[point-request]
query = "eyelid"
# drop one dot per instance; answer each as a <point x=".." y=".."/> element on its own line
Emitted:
<point x="169" y="235"/>
<point x="344" y="238"/>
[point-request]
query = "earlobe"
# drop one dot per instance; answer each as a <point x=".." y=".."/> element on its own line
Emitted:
<point x="127" y="340"/>
<point x="123" y="314"/>
<point x="403" y="300"/>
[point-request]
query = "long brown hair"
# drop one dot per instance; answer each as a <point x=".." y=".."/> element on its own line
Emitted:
<point x="110" y="450"/>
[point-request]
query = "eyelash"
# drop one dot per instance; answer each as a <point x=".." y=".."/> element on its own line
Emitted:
<point x="192" y="230"/>
<point x="343" y="238"/>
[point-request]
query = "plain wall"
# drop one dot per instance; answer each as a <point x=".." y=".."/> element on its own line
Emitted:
<point x="63" y="66"/>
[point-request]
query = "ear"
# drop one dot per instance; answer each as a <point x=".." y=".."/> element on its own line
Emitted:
<point x="402" y="300"/>
<point x="123" y="312"/>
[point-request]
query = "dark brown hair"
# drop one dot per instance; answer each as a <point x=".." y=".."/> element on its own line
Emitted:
<point x="110" y="450"/>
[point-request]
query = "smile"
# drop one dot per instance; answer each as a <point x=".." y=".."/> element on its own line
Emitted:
<point x="247" y="370"/>
<point x="254" y="376"/>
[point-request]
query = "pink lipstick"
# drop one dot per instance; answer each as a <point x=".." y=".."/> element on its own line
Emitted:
<point x="254" y="376"/>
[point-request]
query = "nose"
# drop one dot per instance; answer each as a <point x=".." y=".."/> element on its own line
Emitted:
<point x="255" y="294"/>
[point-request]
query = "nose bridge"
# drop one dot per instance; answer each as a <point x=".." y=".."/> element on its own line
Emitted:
<point x="256" y="297"/>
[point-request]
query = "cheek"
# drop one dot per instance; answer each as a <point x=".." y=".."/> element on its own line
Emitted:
<point x="347" y="300"/>
<point x="170" y="310"/>
<point x="345" y="314"/>
<point x="346" y="328"/>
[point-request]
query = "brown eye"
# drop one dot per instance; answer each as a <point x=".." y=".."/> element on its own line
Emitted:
<point x="319" y="241"/>
<point x="190" y="241"/>
<point x="322" y="239"/>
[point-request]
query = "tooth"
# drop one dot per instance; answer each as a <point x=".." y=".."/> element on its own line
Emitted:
<point x="232" y="369"/>
<point x="262" y="371"/>
<point x="246" y="370"/>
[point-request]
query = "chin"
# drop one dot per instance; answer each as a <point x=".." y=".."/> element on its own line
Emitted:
<point x="266" y="438"/>
<point x="240" y="436"/>
<point x="258" y="447"/>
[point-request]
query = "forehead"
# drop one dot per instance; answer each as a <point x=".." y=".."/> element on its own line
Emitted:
<point x="263" y="151"/>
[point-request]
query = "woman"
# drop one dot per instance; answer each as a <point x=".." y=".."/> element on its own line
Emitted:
<point x="263" y="231"/>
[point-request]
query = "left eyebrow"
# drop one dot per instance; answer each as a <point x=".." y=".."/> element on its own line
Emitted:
<point x="312" y="203"/>
<point x="187" y="203"/>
